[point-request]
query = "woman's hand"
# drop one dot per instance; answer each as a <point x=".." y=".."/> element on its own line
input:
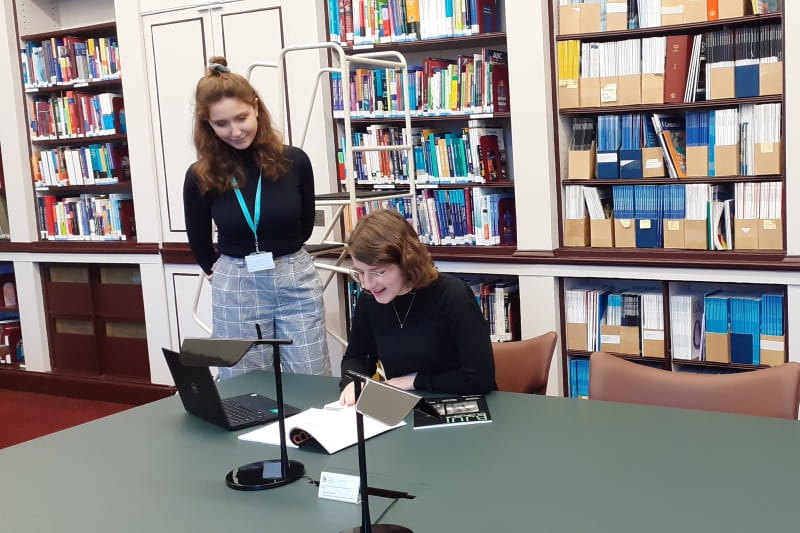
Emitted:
<point x="403" y="382"/>
<point x="348" y="396"/>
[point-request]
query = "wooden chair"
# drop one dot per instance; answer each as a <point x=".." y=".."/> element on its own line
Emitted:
<point x="773" y="392"/>
<point x="523" y="366"/>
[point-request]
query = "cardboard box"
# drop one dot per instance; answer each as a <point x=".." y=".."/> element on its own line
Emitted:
<point x="624" y="233"/>
<point x="653" y="163"/>
<point x="770" y="234"/>
<point x="609" y="91"/>
<point x="726" y="160"/>
<point x="718" y="347"/>
<point x="577" y="337"/>
<point x="653" y="343"/>
<point x="695" y="234"/>
<point x="589" y="92"/>
<point x="616" y="15"/>
<point x="767" y="159"/>
<point x="576" y="232"/>
<point x="674" y="233"/>
<point x="695" y="11"/>
<point x="731" y="8"/>
<point x="609" y="338"/>
<point x="629" y="340"/>
<point x="569" y="94"/>
<point x="629" y="90"/>
<point x="652" y="88"/>
<point x="590" y="18"/>
<point x="581" y="164"/>
<point x="672" y="12"/>
<point x="569" y="19"/>
<point x="697" y="160"/>
<point x="770" y="78"/>
<point x="773" y="350"/>
<point x="601" y="232"/>
<point x="723" y="83"/>
<point x="745" y="234"/>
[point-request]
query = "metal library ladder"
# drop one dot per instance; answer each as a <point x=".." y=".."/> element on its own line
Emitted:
<point x="345" y="202"/>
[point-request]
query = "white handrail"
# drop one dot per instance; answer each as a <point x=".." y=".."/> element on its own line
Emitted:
<point x="195" y="314"/>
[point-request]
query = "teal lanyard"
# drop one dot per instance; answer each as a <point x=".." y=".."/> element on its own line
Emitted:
<point x="249" y="219"/>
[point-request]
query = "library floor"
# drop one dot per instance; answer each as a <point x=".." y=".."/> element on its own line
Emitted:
<point x="27" y="415"/>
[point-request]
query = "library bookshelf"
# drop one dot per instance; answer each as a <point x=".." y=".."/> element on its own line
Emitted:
<point x="630" y="236"/>
<point x="449" y="121"/>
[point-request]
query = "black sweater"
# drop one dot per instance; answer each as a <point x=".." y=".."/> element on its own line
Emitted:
<point x="287" y="212"/>
<point x="445" y="339"/>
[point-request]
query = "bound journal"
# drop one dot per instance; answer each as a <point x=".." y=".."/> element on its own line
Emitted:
<point x="332" y="428"/>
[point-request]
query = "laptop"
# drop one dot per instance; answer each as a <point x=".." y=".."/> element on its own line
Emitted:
<point x="201" y="398"/>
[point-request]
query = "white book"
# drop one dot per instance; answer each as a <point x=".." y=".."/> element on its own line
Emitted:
<point x="334" y="429"/>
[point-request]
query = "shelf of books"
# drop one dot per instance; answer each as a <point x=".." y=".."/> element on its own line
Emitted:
<point x="678" y="326"/>
<point x="460" y="108"/>
<point x="669" y="151"/>
<point x="79" y="154"/>
<point x="671" y="125"/>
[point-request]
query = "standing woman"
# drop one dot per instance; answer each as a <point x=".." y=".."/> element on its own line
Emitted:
<point x="260" y="195"/>
<point x="425" y="328"/>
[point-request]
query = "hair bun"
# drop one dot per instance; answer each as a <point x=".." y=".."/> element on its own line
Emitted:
<point x="218" y="64"/>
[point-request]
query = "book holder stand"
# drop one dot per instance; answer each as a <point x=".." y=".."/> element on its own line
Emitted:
<point x="389" y="405"/>
<point x="261" y="475"/>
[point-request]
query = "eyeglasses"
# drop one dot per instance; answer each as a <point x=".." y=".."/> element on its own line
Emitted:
<point x="361" y="277"/>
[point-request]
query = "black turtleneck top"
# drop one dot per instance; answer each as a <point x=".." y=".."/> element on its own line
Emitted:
<point x="444" y="339"/>
<point x="287" y="212"/>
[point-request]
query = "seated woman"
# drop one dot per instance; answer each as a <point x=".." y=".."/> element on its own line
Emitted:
<point x="424" y="327"/>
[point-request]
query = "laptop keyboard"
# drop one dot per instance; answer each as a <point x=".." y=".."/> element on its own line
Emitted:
<point x="239" y="414"/>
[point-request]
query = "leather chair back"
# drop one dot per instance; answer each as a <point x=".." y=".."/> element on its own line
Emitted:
<point x="772" y="392"/>
<point x="523" y="366"/>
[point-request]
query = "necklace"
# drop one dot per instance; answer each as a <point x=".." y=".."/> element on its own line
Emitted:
<point x="403" y="322"/>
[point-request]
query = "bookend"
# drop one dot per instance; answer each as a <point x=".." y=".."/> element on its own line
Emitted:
<point x="366" y="523"/>
<point x="271" y="473"/>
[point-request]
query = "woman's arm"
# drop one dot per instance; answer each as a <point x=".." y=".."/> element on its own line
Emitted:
<point x="197" y="214"/>
<point x="360" y="355"/>
<point x="305" y="176"/>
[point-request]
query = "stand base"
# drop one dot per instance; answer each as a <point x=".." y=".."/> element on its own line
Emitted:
<point x="381" y="528"/>
<point x="263" y="475"/>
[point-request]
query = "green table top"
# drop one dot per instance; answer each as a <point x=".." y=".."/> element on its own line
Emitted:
<point x="544" y="464"/>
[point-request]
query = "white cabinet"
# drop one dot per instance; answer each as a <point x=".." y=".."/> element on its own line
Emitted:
<point x="178" y="44"/>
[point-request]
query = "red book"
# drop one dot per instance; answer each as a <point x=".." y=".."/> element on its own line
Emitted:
<point x="49" y="214"/>
<point x="501" y="102"/>
<point x="676" y="67"/>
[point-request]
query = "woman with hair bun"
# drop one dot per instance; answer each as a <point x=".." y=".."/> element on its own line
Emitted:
<point x="424" y="329"/>
<point x="260" y="195"/>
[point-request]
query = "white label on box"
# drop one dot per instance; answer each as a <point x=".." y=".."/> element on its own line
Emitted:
<point x="645" y="223"/>
<point x="671" y="10"/>
<point x="773" y="346"/>
<point x="609" y="339"/>
<point x="339" y="487"/>
<point x="766" y="148"/>
<point x="617" y="7"/>
<point x="608" y="93"/>
<point x="624" y="222"/>
<point x="607" y="157"/>
<point x="673" y="225"/>
<point x="769" y="224"/>
<point x="652" y="163"/>
<point x="653" y="334"/>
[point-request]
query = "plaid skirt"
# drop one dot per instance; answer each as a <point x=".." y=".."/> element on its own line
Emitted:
<point x="285" y="301"/>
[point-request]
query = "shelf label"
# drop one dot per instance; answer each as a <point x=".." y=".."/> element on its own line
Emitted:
<point x="609" y="339"/>
<point x="773" y="346"/>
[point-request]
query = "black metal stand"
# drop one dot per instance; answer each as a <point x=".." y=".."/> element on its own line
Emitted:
<point x="273" y="473"/>
<point x="366" y="523"/>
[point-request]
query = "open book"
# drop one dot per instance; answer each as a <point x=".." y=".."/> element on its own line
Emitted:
<point x="334" y="429"/>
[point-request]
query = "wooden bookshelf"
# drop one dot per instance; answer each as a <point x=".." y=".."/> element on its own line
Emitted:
<point x="665" y="259"/>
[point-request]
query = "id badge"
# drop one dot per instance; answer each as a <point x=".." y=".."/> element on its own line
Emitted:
<point x="258" y="261"/>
